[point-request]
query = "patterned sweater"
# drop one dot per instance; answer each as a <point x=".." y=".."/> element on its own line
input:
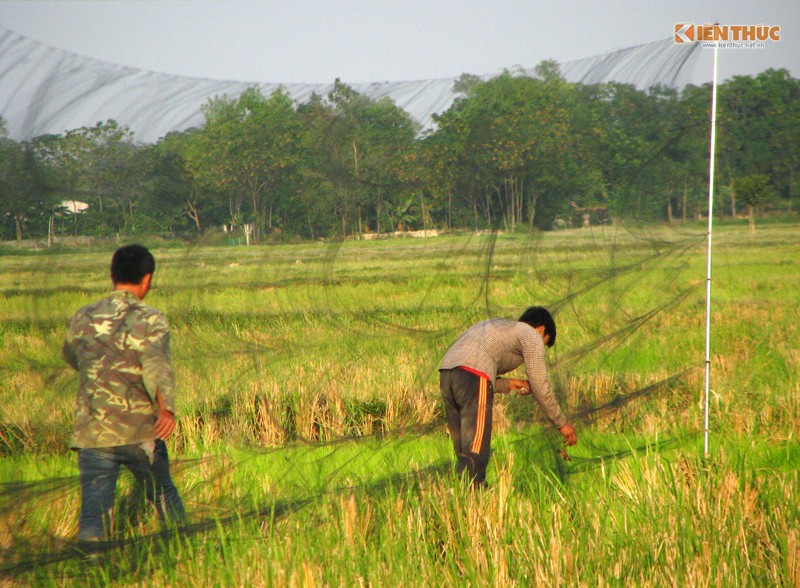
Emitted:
<point x="497" y="346"/>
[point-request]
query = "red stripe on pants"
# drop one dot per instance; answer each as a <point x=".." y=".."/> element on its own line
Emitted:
<point x="480" y="425"/>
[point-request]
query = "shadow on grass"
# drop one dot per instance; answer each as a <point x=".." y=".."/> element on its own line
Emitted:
<point x="38" y="558"/>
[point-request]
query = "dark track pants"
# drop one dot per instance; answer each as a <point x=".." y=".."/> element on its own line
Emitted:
<point x="468" y="401"/>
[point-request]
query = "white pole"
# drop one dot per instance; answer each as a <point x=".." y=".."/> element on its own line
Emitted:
<point x="708" y="255"/>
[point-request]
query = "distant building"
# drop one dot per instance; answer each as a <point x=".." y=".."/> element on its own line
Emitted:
<point x="74" y="206"/>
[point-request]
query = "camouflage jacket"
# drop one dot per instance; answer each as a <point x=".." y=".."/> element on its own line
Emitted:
<point x="120" y="347"/>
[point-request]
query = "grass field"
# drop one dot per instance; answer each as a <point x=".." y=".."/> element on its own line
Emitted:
<point x="311" y="449"/>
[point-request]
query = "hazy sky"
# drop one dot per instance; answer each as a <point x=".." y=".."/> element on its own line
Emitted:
<point x="316" y="41"/>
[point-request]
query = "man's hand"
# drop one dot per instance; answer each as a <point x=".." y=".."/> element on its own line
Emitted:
<point x="165" y="424"/>
<point x="519" y="386"/>
<point x="570" y="438"/>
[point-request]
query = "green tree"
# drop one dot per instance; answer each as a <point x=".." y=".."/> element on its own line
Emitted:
<point x="360" y="151"/>
<point x="633" y="138"/>
<point x="695" y="112"/>
<point x="754" y="190"/>
<point x="26" y="195"/>
<point x="516" y="150"/>
<point x="175" y="189"/>
<point x="101" y="165"/>
<point x="759" y="122"/>
<point x="248" y="149"/>
<point x="123" y="175"/>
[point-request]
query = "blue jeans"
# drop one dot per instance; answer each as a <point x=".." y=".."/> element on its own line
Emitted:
<point x="99" y="469"/>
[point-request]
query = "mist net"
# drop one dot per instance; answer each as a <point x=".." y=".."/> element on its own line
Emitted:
<point x="48" y="91"/>
<point x="309" y="374"/>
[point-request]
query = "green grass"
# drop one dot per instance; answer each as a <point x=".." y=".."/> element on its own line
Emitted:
<point x="311" y="451"/>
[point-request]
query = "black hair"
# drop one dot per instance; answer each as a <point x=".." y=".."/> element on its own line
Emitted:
<point x="538" y="316"/>
<point x="131" y="263"/>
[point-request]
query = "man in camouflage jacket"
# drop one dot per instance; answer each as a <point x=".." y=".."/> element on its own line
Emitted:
<point x="125" y="401"/>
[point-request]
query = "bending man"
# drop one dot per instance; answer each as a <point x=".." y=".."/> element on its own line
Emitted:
<point x="469" y="380"/>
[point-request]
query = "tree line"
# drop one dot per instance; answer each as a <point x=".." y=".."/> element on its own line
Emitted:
<point x="514" y="151"/>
